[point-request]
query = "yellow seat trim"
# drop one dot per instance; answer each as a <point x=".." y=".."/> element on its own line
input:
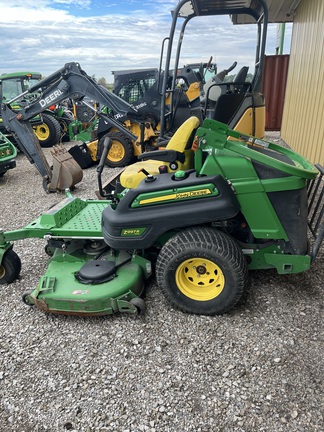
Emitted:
<point x="132" y="175"/>
<point x="180" y="139"/>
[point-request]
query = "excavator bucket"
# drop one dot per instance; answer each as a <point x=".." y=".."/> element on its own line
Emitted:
<point x="66" y="171"/>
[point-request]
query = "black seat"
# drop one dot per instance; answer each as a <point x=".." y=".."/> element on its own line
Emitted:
<point x="240" y="78"/>
<point x="226" y="106"/>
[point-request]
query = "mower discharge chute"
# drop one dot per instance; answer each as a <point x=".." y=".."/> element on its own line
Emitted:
<point x="242" y="205"/>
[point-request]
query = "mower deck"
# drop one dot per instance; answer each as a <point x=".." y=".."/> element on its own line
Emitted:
<point x="93" y="280"/>
<point x="60" y="291"/>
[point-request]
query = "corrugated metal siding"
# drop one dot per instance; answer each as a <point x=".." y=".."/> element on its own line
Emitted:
<point x="274" y="87"/>
<point x="303" y="116"/>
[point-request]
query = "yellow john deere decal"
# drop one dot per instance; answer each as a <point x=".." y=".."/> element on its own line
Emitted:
<point x="132" y="232"/>
<point x="176" y="196"/>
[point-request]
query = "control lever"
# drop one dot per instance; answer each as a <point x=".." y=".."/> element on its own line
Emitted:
<point x="149" y="177"/>
<point x="106" y="147"/>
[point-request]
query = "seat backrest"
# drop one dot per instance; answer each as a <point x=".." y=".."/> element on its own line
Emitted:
<point x="241" y="75"/>
<point x="239" y="79"/>
<point x="227" y="106"/>
<point x="182" y="138"/>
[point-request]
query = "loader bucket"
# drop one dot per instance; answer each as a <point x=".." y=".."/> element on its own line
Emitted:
<point x="66" y="171"/>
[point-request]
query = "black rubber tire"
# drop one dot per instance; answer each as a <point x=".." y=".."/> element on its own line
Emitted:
<point x="10" y="267"/>
<point x="139" y="304"/>
<point x="49" y="250"/>
<point x="121" y="152"/>
<point x="25" y="296"/>
<point x="65" y="120"/>
<point x="220" y="251"/>
<point x="49" y="132"/>
<point x="84" y="114"/>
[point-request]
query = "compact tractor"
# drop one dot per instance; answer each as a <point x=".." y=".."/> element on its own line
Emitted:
<point x="241" y="204"/>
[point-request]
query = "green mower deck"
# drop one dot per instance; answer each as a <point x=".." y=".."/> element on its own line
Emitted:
<point x="110" y="282"/>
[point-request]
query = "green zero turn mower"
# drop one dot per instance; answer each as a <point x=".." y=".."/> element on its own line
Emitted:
<point x="245" y="204"/>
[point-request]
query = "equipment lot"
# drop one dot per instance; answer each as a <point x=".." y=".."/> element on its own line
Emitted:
<point x="257" y="368"/>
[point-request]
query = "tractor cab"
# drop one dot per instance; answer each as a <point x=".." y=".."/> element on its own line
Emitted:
<point x="14" y="84"/>
<point x="238" y="102"/>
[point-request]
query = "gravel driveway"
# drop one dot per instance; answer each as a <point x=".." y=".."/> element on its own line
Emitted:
<point x="257" y="368"/>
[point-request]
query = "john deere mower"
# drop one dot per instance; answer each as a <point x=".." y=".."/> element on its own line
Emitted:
<point x="243" y="204"/>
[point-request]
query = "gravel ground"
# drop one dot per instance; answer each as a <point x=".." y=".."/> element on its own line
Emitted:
<point x="257" y="368"/>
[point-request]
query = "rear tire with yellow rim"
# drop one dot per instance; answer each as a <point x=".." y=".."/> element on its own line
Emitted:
<point x="49" y="132"/>
<point x="202" y="271"/>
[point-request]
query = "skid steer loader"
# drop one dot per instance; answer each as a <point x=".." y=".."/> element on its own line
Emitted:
<point x="246" y="204"/>
<point x="140" y="89"/>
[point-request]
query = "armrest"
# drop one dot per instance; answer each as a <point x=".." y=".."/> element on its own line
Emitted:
<point x="163" y="156"/>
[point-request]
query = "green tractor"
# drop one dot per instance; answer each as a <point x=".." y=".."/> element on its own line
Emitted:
<point x="242" y="204"/>
<point x="52" y="125"/>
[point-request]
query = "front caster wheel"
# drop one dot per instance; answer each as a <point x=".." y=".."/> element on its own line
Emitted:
<point x="10" y="267"/>
<point x="25" y="298"/>
<point x="139" y="304"/>
<point x="202" y="271"/>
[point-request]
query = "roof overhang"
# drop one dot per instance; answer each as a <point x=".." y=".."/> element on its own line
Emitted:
<point x="278" y="10"/>
<point x="242" y="11"/>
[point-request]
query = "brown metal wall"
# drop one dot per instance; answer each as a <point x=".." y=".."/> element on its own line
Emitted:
<point x="274" y="87"/>
<point x="303" y="116"/>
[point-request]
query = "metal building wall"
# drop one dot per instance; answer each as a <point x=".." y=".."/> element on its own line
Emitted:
<point x="303" y="117"/>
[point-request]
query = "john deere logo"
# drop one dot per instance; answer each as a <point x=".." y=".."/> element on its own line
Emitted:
<point x="192" y="194"/>
<point x="130" y="232"/>
<point x="176" y="196"/>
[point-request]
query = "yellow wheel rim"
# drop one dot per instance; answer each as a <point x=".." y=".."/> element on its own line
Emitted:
<point x="200" y="279"/>
<point x="42" y="131"/>
<point x="116" y="152"/>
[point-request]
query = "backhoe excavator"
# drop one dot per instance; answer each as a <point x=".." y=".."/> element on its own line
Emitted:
<point x="47" y="126"/>
<point x="73" y="83"/>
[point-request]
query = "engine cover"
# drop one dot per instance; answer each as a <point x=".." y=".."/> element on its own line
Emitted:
<point x="166" y="202"/>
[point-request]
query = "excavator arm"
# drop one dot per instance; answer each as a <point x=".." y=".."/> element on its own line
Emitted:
<point x="69" y="82"/>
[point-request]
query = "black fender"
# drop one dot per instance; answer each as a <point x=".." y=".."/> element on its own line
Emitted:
<point x="158" y="206"/>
